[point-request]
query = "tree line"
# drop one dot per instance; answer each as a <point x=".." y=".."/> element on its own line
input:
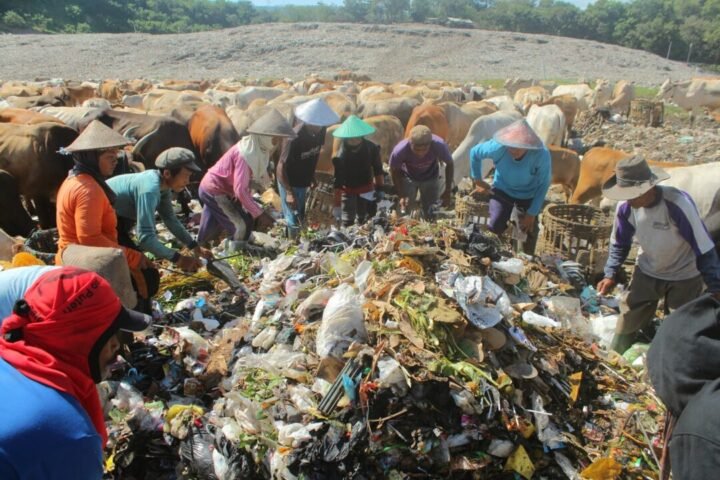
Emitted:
<point x="680" y="29"/>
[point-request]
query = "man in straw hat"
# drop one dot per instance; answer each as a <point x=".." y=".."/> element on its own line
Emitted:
<point x="299" y="157"/>
<point x="358" y="172"/>
<point x="58" y="342"/>
<point x="225" y="190"/>
<point x="415" y="167"/>
<point x="85" y="213"/>
<point x="522" y="175"/>
<point x="140" y="195"/>
<point x="677" y="253"/>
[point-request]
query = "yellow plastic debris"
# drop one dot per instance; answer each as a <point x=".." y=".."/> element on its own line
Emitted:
<point x="575" y="380"/>
<point x="25" y="259"/>
<point x="520" y="462"/>
<point x="602" y="469"/>
<point x="176" y="410"/>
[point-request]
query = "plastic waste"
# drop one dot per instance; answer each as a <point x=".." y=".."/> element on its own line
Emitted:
<point x="518" y="334"/>
<point x="314" y="304"/>
<point x="590" y="300"/>
<point x="265" y="339"/>
<point x="342" y="323"/>
<point x="548" y="433"/>
<point x="537" y="320"/>
<point x="514" y="266"/>
<point x="603" y="327"/>
<point x="566" y="466"/>
<point x="501" y="448"/>
<point x="391" y="376"/>
<point x="567" y="310"/>
<point x="196" y="452"/>
<point x="484" y="302"/>
<point x="362" y="274"/>
<point x="295" y="434"/>
<point x="636" y="355"/>
<point x="602" y="469"/>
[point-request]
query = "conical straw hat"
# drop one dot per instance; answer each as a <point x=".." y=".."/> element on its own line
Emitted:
<point x="519" y="134"/>
<point x="353" y="127"/>
<point x="97" y="136"/>
<point x="272" y="124"/>
<point x="317" y="112"/>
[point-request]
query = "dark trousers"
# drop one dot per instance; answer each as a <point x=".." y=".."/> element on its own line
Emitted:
<point x="501" y="206"/>
<point x="354" y="206"/>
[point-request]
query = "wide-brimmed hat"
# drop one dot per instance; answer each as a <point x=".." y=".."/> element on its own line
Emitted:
<point x="272" y="124"/>
<point x="97" y="136"/>
<point x="633" y="177"/>
<point x="354" y="127"/>
<point x="317" y="112"/>
<point x="519" y="134"/>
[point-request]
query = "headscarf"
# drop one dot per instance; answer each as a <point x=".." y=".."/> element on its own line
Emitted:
<point x="256" y="150"/>
<point x="86" y="161"/>
<point x="69" y="315"/>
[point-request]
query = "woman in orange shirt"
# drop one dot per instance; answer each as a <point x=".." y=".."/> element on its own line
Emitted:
<point x="85" y="214"/>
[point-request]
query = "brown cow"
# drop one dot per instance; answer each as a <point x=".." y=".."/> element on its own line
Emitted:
<point x="26" y="117"/>
<point x="597" y="166"/>
<point x="569" y="106"/>
<point x="433" y="117"/>
<point x="14" y="219"/>
<point x="565" y="169"/>
<point x="30" y="154"/>
<point x="212" y="133"/>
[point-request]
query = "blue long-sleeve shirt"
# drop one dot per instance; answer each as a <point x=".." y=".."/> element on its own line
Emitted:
<point x="674" y="242"/>
<point x="524" y="179"/>
<point x="138" y="198"/>
<point x="45" y="434"/>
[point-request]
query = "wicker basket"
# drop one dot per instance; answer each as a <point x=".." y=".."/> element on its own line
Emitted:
<point x="319" y="205"/>
<point x="577" y="232"/>
<point x="43" y="244"/>
<point x="646" y="113"/>
<point x="469" y="210"/>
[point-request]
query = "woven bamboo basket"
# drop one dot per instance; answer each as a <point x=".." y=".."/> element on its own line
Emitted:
<point x="577" y="232"/>
<point x="646" y="113"/>
<point x="319" y="205"/>
<point x="469" y="210"/>
<point x="43" y="244"/>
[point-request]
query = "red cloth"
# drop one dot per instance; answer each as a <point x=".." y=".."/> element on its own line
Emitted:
<point x="70" y="309"/>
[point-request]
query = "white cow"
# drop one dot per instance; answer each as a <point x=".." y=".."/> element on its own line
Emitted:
<point x="602" y="93"/>
<point x="480" y="131"/>
<point x="512" y="85"/>
<point x="582" y="91"/>
<point x="526" y="97"/>
<point x="692" y="95"/>
<point x="548" y="122"/>
<point x="71" y="116"/>
<point x="245" y="96"/>
<point x="623" y="94"/>
<point x="504" y="103"/>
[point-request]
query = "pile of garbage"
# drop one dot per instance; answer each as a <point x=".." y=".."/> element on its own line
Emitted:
<point x="400" y="349"/>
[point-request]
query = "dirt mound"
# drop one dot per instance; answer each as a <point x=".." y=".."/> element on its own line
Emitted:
<point x="384" y="52"/>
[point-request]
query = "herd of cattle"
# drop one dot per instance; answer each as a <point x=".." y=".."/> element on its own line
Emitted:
<point x="38" y="119"/>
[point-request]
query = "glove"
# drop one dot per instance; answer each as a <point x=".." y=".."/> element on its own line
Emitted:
<point x="337" y="213"/>
<point x="379" y="195"/>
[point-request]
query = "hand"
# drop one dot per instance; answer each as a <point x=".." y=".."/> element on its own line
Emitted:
<point x="446" y="198"/>
<point x="264" y="222"/>
<point x="527" y="222"/>
<point x="290" y="199"/>
<point x="187" y="263"/>
<point x="200" y="252"/>
<point x="605" y="286"/>
<point x="404" y="203"/>
<point x="337" y="213"/>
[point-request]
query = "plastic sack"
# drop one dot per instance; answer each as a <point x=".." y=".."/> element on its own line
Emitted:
<point x="513" y="266"/>
<point x="567" y="310"/>
<point x="604" y="328"/>
<point x="484" y="302"/>
<point x="196" y="452"/>
<point x="342" y="323"/>
<point x="533" y="318"/>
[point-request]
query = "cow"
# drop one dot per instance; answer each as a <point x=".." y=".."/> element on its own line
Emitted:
<point x="565" y="169"/>
<point x="19" y="89"/>
<point x="582" y="92"/>
<point x="36" y="101"/>
<point x="400" y="107"/>
<point x="569" y="106"/>
<point x="525" y="97"/>
<point x="73" y="117"/>
<point x="692" y="95"/>
<point x="503" y="102"/>
<point x="602" y="94"/>
<point x="243" y="98"/>
<point x="388" y="133"/>
<point x="431" y="116"/>
<point x="212" y="134"/>
<point x="14" y="219"/>
<point x="512" y="85"/>
<point x="26" y="117"/>
<point x="623" y="94"/>
<point x="597" y="166"/>
<point x="71" y="96"/>
<point x="30" y="154"/>
<point x="548" y="122"/>
<point x="482" y="129"/>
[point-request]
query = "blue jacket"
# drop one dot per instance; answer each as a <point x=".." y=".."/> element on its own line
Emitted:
<point x="13" y="285"/>
<point x="524" y="179"/>
<point x="44" y="434"/>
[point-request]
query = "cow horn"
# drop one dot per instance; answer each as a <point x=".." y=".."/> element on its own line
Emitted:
<point x="137" y="152"/>
<point x="129" y="133"/>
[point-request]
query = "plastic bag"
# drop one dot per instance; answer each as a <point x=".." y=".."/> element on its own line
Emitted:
<point x="342" y="323"/>
<point x="567" y="310"/>
<point x="513" y="266"/>
<point x="484" y="302"/>
<point x="391" y="376"/>
<point x="533" y="318"/>
<point x="196" y="452"/>
<point x="604" y="328"/>
<point x="316" y="302"/>
<point x="295" y="434"/>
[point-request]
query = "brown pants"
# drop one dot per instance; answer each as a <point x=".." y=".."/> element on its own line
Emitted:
<point x="639" y="305"/>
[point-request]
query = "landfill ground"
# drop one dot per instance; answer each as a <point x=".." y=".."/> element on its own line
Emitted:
<point x="400" y="349"/>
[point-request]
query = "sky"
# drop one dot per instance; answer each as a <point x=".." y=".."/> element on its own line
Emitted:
<point x="274" y="3"/>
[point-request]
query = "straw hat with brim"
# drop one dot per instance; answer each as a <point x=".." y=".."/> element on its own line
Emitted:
<point x="272" y="124"/>
<point x="519" y="134"/>
<point x="317" y="112"/>
<point x="633" y="177"/>
<point x="353" y="127"/>
<point x="97" y="136"/>
<point x="109" y="263"/>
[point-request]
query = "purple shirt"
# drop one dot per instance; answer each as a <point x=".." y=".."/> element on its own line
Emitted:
<point x="423" y="168"/>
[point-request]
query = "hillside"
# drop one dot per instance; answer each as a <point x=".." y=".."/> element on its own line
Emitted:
<point x="384" y="52"/>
